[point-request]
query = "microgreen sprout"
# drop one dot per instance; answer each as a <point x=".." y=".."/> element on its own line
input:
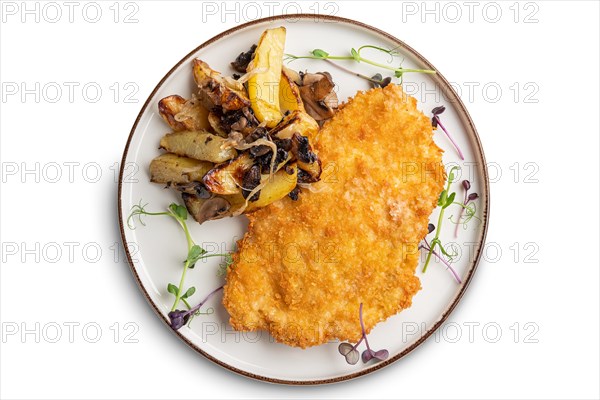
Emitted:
<point x="350" y="352"/>
<point x="376" y="80"/>
<point x="435" y="121"/>
<point x="195" y="253"/>
<point x="427" y="246"/>
<point x="466" y="207"/>
<point x="179" y="318"/>
<point x="355" y="54"/>
<point x="379" y="81"/>
<point x="445" y="200"/>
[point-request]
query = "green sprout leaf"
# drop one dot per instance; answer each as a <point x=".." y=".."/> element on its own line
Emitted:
<point x="194" y="254"/>
<point x="450" y="200"/>
<point x="190" y="292"/>
<point x="179" y="210"/>
<point x="172" y="289"/>
<point x="355" y="55"/>
<point x="320" y="53"/>
<point x="442" y="199"/>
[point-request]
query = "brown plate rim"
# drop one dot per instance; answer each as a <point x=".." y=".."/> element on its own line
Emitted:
<point x="465" y="118"/>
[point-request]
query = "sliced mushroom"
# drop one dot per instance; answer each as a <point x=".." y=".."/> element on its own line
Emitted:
<point x="320" y="100"/>
<point x="241" y="62"/>
<point x="206" y="209"/>
<point x="250" y="181"/>
<point x="242" y="120"/>
<point x="194" y="188"/>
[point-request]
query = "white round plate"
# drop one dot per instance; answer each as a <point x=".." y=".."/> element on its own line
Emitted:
<point x="156" y="250"/>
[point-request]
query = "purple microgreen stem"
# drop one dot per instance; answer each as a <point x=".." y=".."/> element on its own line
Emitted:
<point x="439" y="122"/>
<point x="465" y="206"/>
<point x="436" y="121"/>
<point x="348" y="352"/>
<point x="381" y="82"/>
<point x="179" y="318"/>
<point x="444" y="201"/>
<point x="442" y="259"/>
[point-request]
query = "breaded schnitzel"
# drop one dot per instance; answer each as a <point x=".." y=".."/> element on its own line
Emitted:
<point x="303" y="268"/>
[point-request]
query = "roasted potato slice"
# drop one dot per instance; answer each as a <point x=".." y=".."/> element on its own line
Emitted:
<point x="200" y="145"/>
<point x="309" y="172"/>
<point x="227" y="177"/>
<point x="296" y="122"/>
<point x="263" y="87"/>
<point x="214" y="119"/>
<point x="216" y="91"/>
<point x="183" y="115"/>
<point x="220" y="206"/>
<point x="202" y="210"/>
<point x="292" y="74"/>
<point x="289" y="94"/>
<point x="282" y="182"/>
<point x="173" y="169"/>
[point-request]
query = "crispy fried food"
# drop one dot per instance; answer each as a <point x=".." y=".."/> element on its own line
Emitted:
<point x="303" y="268"/>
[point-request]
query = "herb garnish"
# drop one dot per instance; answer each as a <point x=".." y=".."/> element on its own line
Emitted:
<point x="351" y="354"/>
<point x="195" y="253"/>
<point x="466" y="206"/>
<point x="379" y="81"/>
<point x="435" y="121"/>
<point x="179" y="318"/>
<point x="376" y="80"/>
<point x="427" y="246"/>
<point x="445" y="200"/>
<point x="319" y="54"/>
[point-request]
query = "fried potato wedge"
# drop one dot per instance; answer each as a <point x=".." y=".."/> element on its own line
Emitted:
<point x="215" y="90"/>
<point x="289" y="94"/>
<point x="200" y="145"/>
<point x="310" y="172"/>
<point x="170" y="168"/>
<point x="220" y="206"/>
<point x="296" y="122"/>
<point x="263" y="87"/>
<point x="227" y="177"/>
<point x="277" y="187"/>
<point x="215" y="123"/>
<point x="183" y="115"/>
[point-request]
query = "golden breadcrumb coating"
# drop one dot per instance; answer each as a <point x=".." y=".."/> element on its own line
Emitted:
<point x="303" y="268"/>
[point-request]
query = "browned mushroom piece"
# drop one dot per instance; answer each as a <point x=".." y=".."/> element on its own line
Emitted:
<point x="318" y="95"/>
<point x="206" y="209"/>
<point x="241" y="62"/>
<point x="308" y="163"/>
<point x="242" y="120"/>
<point x="214" y="90"/>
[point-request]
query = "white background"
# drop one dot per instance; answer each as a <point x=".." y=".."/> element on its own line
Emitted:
<point x="544" y="218"/>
